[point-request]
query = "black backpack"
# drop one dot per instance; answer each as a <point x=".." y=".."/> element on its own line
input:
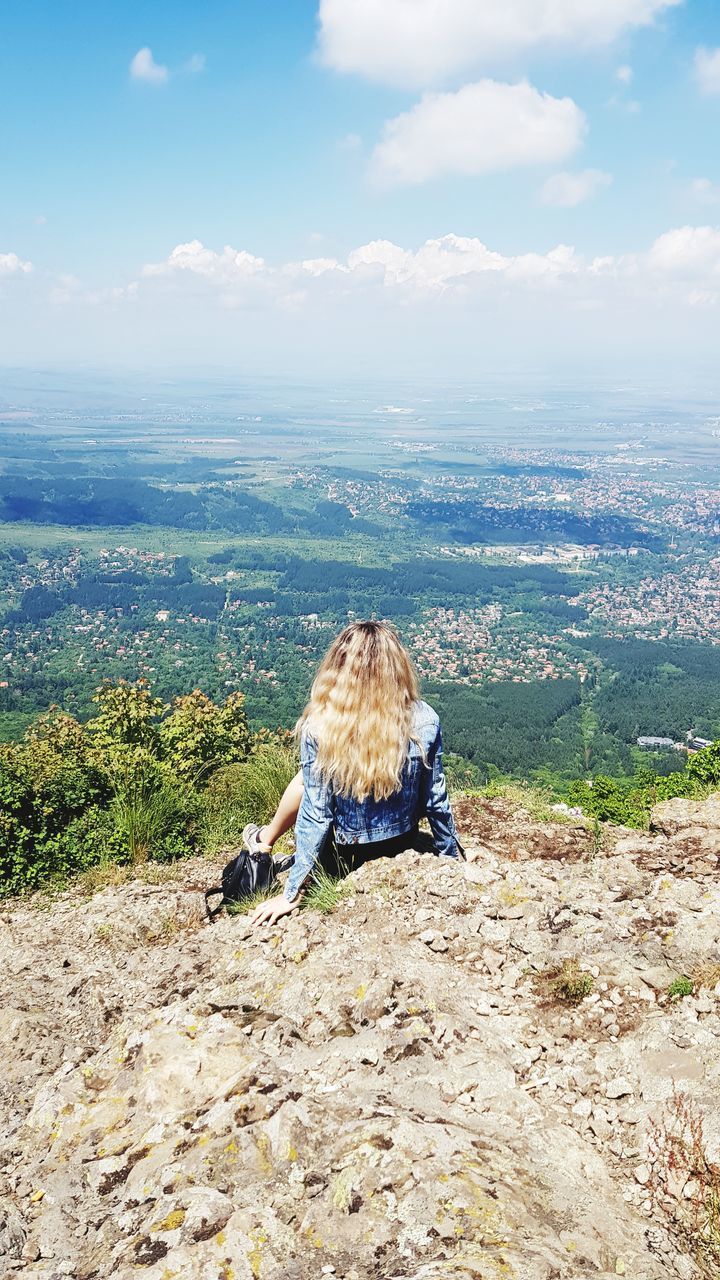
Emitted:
<point x="247" y="874"/>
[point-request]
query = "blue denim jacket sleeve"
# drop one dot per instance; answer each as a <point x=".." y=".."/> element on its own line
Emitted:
<point x="314" y="820"/>
<point x="434" y="803"/>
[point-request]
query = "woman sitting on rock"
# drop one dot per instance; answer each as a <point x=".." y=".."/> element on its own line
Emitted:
<point x="371" y="767"/>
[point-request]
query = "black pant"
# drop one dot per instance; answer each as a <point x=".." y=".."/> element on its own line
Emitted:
<point x="340" y="859"/>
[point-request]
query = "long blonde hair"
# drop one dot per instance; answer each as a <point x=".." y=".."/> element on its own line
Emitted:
<point x="360" y="711"/>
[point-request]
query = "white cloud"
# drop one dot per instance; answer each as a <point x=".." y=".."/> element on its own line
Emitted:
<point x="11" y="265"/>
<point x="452" y="260"/>
<point x="319" y="266"/>
<point x="565" y="190"/>
<point x="421" y="42"/>
<point x="624" y="74"/>
<point x="144" y="67"/>
<point x="707" y="70"/>
<point x="442" y="305"/>
<point x="68" y="290"/>
<point x="437" y="266"/>
<point x="227" y="267"/>
<point x="683" y="264"/>
<point x="687" y="253"/>
<point x="705" y="191"/>
<point x="483" y="128"/>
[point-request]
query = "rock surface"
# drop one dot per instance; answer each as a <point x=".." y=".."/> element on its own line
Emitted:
<point x="400" y="1088"/>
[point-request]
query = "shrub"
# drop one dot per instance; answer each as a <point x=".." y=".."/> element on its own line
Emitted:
<point x="53" y="798"/>
<point x="126" y="787"/>
<point x="461" y="774"/>
<point x="704" y="767"/>
<point x="198" y="735"/>
<point x="128" y="716"/>
<point x="610" y="800"/>
<point x="628" y="802"/>
<point x="569" y="983"/>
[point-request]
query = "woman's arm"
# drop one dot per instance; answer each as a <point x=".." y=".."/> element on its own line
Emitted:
<point x="314" y="822"/>
<point x="435" y="805"/>
<point x="313" y="825"/>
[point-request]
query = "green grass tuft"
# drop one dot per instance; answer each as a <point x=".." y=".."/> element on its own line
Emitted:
<point x="680" y="988"/>
<point x="244" y="906"/>
<point x="242" y="793"/>
<point x="326" y="892"/>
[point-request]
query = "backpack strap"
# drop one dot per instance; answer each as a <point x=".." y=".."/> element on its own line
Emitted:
<point x="214" y="912"/>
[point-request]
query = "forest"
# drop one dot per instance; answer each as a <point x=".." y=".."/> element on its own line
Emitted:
<point x="471" y="522"/>
<point x="168" y="619"/>
<point x="109" y="502"/>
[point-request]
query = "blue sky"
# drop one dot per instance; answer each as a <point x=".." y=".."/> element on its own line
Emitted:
<point x="302" y="133"/>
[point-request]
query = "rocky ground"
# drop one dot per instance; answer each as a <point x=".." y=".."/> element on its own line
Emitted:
<point x="461" y="1071"/>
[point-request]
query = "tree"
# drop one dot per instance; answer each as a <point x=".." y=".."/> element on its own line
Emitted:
<point x="198" y="735"/>
<point x="705" y="766"/>
<point x="128" y="715"/>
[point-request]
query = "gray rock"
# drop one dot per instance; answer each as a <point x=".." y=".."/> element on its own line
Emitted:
<point x="618" y="1088"/>
<point x="197" y="1102"/>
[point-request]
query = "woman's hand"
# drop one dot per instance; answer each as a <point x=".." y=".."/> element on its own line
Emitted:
<point x="271" y="911"/>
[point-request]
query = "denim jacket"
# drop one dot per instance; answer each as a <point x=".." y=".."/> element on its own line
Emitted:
<point x="422" y="794"/>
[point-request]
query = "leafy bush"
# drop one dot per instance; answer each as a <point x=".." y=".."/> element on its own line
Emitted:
<point x="610" y="800"/>
<point x="198" y="735"/>
<point x="128" y="716"/>
<point x="461" y="774"/>
<point x="704" y="767"/>
<point x="129" y="785"/>
<point x="627" y="802"/>
<point x="53" y="795"/>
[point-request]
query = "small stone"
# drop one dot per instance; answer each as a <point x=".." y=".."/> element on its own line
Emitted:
<point x="642" y="1174"/>
<point x="581" y="1080"/>
<point x="438" y="943"/>
<point x="675" y="1184"/>
<point x="600" y="1124"/>
<point x="618" y="1088"/>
